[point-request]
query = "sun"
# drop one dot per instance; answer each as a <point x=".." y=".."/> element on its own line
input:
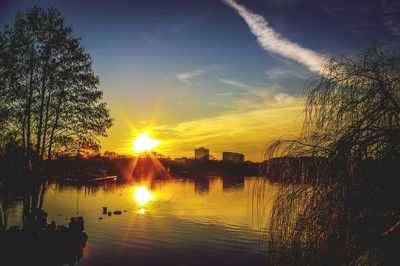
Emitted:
<point x="142" y="195"/>
<point x="143" y="142"/>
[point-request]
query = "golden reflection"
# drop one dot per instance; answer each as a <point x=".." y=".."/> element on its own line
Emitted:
<point x="141" y="211"/>
<point x="142" y="195"/>
<point x="222" y="201"/>
<point x="143" y="142"/>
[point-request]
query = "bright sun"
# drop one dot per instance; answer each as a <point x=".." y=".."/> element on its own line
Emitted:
<point x="142" y="195"/>
<point x="143" y="142"/>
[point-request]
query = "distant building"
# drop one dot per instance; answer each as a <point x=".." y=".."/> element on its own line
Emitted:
<point x="181" y="160"/>
<point x="202" y="153"/>
<point x="232" y="157"/>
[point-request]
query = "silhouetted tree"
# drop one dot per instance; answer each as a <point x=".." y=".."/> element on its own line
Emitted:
<point x="3" y="110"/>
<point x="352" y="120"/>
<point x="352" y="110"/>
<point x="48" y="90"/>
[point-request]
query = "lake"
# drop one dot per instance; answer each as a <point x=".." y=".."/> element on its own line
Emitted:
<point x="177" y="221"/>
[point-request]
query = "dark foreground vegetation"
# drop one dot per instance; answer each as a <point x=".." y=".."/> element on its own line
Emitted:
<point x="37" y="241"/>
<point x="43" y="243"/>
<point x="340" y="205"/>
<point x="49" y="105"/>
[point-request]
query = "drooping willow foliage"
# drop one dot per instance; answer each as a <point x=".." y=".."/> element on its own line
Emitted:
<point x="352" y="130"/>
<point x="352" y="109"/>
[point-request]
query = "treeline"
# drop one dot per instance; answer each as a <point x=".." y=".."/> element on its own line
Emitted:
<point x="136" y="168"/>
<point x="213" y="168"/>
<point x="49" y="98"/>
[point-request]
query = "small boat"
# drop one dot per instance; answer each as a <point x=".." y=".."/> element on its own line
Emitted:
<point x="85" y="181"/>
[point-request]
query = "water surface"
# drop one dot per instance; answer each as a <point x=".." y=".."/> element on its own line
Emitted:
<point x="197" y="221"/>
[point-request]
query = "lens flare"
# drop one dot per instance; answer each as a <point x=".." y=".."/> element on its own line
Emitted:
<point x="143" y="142"/>
<point x="142" y="195"/>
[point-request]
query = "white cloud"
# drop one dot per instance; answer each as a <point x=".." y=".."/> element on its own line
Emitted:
<point x="235" y="83"/>
<point x="187" y="76"/>
<point x="273" y="42"/>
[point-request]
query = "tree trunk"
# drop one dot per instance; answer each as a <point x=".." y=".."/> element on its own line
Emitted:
<point x="46" y="119"/>
<point x="28" y="110"/>
<point x="55" y="124"/>
<point x="39" y="156"/>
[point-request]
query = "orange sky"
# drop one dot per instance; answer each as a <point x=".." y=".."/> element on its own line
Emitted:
<point x="244" y="131"/>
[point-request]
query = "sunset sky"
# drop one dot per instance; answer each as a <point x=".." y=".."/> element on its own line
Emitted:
<point x="227" y="75"/>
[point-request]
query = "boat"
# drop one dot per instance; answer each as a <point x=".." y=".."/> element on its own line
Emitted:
<point x="91" y="180"/>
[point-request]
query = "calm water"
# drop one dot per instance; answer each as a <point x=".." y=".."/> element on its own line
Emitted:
<point x="206" y="221"/>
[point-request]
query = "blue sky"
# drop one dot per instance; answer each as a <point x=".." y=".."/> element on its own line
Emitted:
<point x="197" y="73"/>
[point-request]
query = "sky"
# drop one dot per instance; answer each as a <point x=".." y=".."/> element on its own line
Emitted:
<point x="227" y="75"/>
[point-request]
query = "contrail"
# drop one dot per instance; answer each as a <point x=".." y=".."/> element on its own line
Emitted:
<point x="273" y="42"/>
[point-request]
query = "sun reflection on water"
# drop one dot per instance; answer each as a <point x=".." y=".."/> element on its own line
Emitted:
<point x="142" y="196"/>
<point x="141" y="211"/>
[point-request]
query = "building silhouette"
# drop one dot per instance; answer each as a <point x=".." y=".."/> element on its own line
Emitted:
<point x="202" y="153"/>
<point x="232" y="157"/>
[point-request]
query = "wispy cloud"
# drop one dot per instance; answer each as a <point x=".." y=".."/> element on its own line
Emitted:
<point x="279" y="73"/>
<point x="287" y="69"/>
<point x="273" y="42"/>
<point x="224" y="94"/>
<point x="246" y="131"/>
<point x="260" y="97"/>
<point x="187" y="76"/>
<point x="235" y="83"/>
